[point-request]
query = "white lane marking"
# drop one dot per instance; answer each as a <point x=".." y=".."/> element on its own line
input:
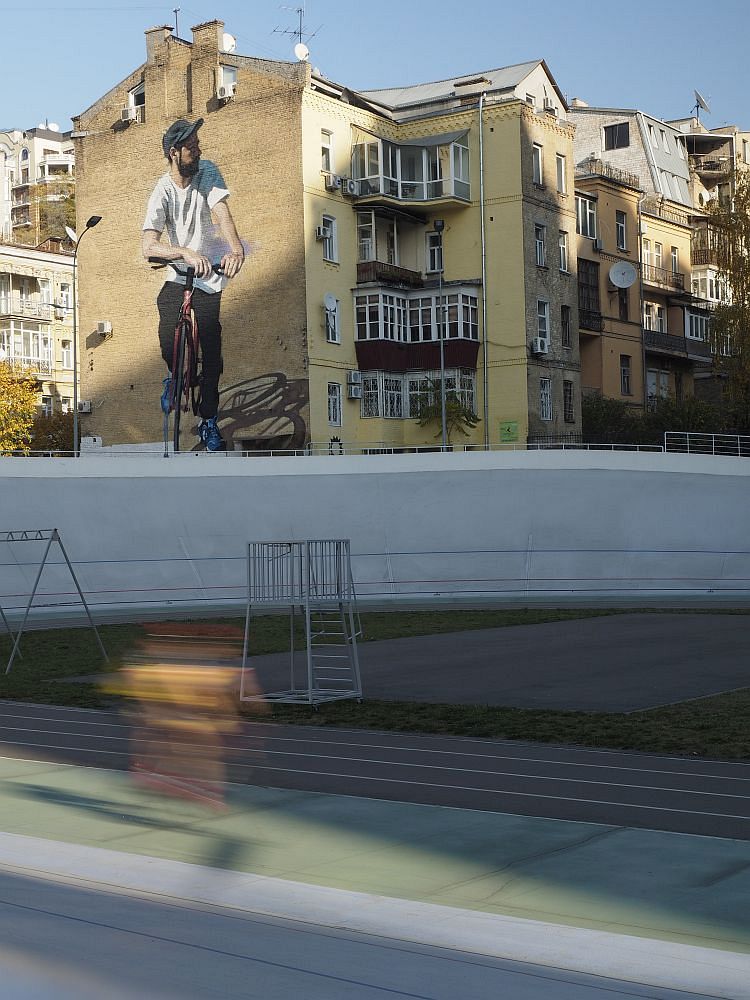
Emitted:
<point x="408" y="749"/>
<point x="388" y="763"/>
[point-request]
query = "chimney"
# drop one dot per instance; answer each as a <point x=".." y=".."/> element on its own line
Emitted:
<point x="155" y="39"/>
<point x="207" y="38"/>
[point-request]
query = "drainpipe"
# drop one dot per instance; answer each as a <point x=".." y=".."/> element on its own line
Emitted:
<point x="486" y="380"/>
<point x="640" y="302"/>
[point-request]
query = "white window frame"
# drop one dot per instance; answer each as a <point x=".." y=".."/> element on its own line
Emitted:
<point x="66" y="404"/>
<point x="537" y="164"/>
<point x="561" y="167"/>
<point x="327" y="162"/>
<point x="540" y="243"/>
<point x="545" y="399"/>
<point x="586" y="217"/>
<point x="675" y="260"/>
<point x="562" y="243"/>
<point x="66" y="353"/>
<point x="621" y="227"/>
<point x="658" y="255"/>
<point x="330" y="241"/>
<point x="334" y="404"/>
<point x="332" y="323"/>
<point x="434" y="251"/>
<point x="542" y="319"/>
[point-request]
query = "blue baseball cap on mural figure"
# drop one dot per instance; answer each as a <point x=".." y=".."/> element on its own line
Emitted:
<point x="178" y="133"/>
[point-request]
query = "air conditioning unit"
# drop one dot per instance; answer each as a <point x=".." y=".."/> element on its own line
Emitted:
<point x="539" y="345"/>
<point x="354" y="391"/>
<point x="226" y="91"/>
<point x="129" y="114"/>
<point x="354" y="378"/>
<point x="349" y="187"/>
<point x="549" y="106"/>
<point x="598" y="244"/>
<point x="322" y="232"/>
<point x="84" y="406"/>
<point x="333" y="182"/>
<point x="104" y="328"/>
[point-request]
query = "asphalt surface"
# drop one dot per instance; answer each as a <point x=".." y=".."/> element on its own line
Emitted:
<point x="78" y="941"/>
<point x="617" y="663"/>
<point x="644" y="791"/>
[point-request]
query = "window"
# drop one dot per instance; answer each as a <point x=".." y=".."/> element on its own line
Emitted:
<point x="698" y="326"/>
<point x="565" y="339"/>
<point x="66" y="404"/>
<point x="326" y="151"/>
<point x="617" y="136"/>
<point x="545" y="398"/>
<point x="622" y="232"/>
<point x="561" y="180"/>
<point x="540" y="237"/>
<point x="365" y="236"/>
<point x="334" y="404"/>
<point x="647" y="252"/>
<point x="562" y="243"/>
<point x="657" y="385"/>
<point x="654" y="317"/>
<point x="47" y="406"/>
<point x="370" y="396"/>
<point x="421" y="321"/>
<point x="228" y="78"/>
<point x="664" y="140"/>
<point x="675" y="257"/>
<point x="330" y="247"/>
<point x="537" y="166"/>
<point x="588" y="286"/>
<point x="568" y="413"/>
<point x="586" y="217"/>
<point x="393" y="396"/>
<point x="625" y="371"/>
<point x="66" y="358"/>
<point x="622" y="304"/>
<point x="64" y="298"/>
<point x="333" y="333"/>
<point x="658" y="249"/>
<point x="137" y="98"/>
<point x="666" y="189"/>
<point x="434" y="252"/>
<point x="542" y="315"/>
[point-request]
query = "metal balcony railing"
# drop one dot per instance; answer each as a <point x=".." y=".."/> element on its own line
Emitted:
<point x="594" y="167"/>
<point x="588" y="319"/>
<point x="379" y="270"/>
<point x="39" y="365"/>
<point x="663" y="277"/>
<point x="713" y="163"/>
<point x="666" y="343"/>
<point x="14" y="305"/>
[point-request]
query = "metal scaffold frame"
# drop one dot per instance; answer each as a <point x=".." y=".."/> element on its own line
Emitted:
<point x="314" y="577"/>
<point x="47" y="535"/>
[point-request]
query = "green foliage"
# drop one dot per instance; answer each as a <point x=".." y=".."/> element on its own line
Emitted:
<point x="18" y="406"/>
<point x="458" y="416"/>
<point x="610" y="421"/>
<point x="53" y="432"/>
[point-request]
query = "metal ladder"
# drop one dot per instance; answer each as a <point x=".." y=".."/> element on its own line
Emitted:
<point x="333" y="661"/>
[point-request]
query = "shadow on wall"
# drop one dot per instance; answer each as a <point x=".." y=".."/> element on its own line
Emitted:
<point x="264" y="413"/>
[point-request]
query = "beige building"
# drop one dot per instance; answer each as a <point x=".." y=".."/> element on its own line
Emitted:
<point x="37" y="184"/>
<point x="36" y="320"/>
<point x="332" y="329"/>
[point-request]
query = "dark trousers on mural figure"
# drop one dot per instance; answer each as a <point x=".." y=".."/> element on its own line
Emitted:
<point x="206" y="307"/>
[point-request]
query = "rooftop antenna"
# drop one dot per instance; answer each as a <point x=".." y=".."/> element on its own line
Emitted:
<point x="700" y="102"/>
<point x="299" y="33"/>
<point x="176" y="11"/>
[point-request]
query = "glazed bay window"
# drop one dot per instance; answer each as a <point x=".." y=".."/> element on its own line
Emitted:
<point x="586" y="216"/>
<point x="401" y="396"/>
<point x="415" y="170"/>
<point x="385" y="315"/>
<point x="545" y="398"/>
<point x="334" y="404"/>
<point x="540" y="239"/>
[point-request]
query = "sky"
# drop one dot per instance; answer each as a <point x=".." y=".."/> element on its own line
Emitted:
<point x="652" y="56"/>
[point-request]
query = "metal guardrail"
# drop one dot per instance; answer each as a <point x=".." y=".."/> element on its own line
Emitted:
<point x="653" y="275"/>
<point x="694" y="443"/>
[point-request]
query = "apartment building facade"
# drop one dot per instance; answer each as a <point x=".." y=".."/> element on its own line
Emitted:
<point x="377" y="221"/>
<point x="37" y="184"/>
<point x="36" y="320"/>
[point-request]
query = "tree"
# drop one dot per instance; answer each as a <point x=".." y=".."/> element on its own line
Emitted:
<point x="52" y="432"/>
<point x="18" y="406"/>
<point x="729" y="227"/>
<point x="458" y="416"/>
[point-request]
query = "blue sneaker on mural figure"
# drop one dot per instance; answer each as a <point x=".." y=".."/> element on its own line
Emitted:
<point x="166" y="393"/>
<point x="210" y="435"/>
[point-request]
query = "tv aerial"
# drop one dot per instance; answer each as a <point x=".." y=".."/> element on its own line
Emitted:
<point x="301" y="34"/>
<point x="622" y="274"/>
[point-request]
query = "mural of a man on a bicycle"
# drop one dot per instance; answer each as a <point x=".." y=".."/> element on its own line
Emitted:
<point x="189" y="205"/>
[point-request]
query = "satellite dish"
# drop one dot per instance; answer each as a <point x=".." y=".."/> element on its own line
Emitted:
<point x="301" y="51"/>
<point x="53" y="127"/>
<point x="228" y="42"/>
<point x="71" y="234"/>
<point x="701" y="102"/>
<point x="622" y="274"/>
<point x="330" y="302"/>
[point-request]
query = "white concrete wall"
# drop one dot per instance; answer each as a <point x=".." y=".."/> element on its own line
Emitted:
<point x="528" y="527"/>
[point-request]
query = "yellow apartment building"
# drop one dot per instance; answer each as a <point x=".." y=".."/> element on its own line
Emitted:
<point x="377" y="221"/>
<point x="36" y="320"/>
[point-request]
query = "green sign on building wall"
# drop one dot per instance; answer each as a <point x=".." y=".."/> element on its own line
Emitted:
<point x="508" y="431"/>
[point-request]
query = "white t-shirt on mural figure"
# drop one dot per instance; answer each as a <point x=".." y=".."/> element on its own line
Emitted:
<point x="185" y="215"/>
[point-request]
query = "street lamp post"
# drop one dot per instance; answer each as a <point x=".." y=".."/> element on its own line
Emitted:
<point x="439" y="229"/>
<point x="94" y="220"/>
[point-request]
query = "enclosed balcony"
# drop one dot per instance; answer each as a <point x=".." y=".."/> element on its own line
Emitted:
<point x="17" y="305"/>
<point x="432" y="169"/>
